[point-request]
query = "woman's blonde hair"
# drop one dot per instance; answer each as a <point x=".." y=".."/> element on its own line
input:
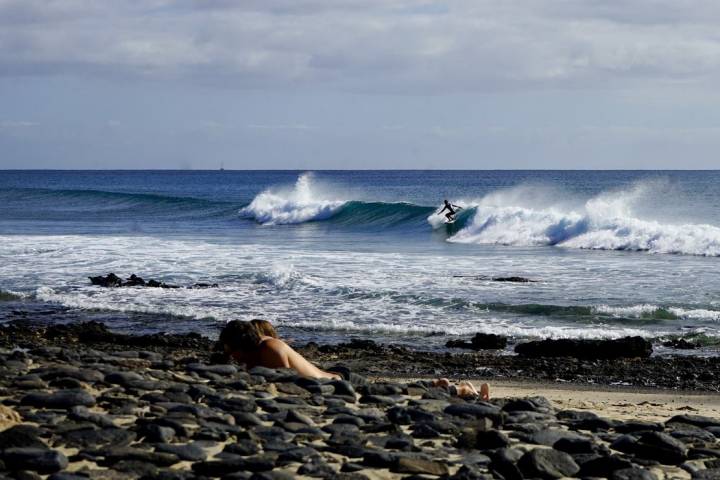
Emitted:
<point x="264" y="328"/>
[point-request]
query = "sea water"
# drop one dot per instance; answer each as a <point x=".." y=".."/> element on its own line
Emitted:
<point x="330" y="255"/>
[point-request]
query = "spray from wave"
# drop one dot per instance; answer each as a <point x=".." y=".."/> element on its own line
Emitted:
<point x="605" y="222"/>
<point x="522" y="216"/>
<point x="308" y="201"/>
<point x="301" y="204"/>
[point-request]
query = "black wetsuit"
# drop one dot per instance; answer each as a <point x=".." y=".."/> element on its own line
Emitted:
<point x="451" y="212"/>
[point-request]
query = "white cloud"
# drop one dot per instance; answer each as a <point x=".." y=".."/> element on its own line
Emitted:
<point x="372" y="45"/>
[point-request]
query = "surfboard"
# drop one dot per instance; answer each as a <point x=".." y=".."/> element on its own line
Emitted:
<point x="450" y="222"/>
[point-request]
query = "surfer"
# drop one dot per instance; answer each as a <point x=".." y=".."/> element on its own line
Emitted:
<point x="451" y="212"/>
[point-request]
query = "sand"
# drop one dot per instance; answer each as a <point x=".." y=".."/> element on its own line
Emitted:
<point x="621" y="403"/>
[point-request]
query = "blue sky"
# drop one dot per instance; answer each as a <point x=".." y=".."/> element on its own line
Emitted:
<point x="310" y="84"/>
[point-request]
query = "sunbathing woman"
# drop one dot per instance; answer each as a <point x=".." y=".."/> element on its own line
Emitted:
<point x="252" y="343"/>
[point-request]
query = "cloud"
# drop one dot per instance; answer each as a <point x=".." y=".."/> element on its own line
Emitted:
<point x="379" y="46"/>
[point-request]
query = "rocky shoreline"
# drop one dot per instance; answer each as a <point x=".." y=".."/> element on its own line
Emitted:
<point x="81" y="402"/>
<point x="691" y="373"/>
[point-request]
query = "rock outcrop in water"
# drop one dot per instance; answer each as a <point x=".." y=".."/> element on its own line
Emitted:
<point x="627" y="347"/>
<point x="111" y="281"/>
<point x="481" y="341"/>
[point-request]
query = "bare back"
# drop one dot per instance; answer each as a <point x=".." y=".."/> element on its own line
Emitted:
<point x="274" y="353"/>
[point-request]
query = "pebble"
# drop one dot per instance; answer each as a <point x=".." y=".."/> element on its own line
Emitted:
<point x="162" y="419"/>
<point x="40" y="460"/>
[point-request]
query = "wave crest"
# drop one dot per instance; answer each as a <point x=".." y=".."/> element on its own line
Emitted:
<point x="605" y="222"/>
<point x="299" y="205"/>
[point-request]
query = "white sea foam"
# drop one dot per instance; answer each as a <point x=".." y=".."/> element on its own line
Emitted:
<point x="391" y="292"/>
<point x="488" y="325"/>
<point x="606" y="222"/>
<point x="304" y="203"/>
<point x="638" y="311"/>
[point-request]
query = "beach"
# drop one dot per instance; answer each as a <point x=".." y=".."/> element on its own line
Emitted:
<point x="80" y="401"/>
<point x="592" y="318"/>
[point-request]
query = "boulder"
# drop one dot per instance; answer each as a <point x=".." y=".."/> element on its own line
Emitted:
<point x="40" y="460"/>
<point x="653" y="446"/>
<point x="513" y="279"/>
<point x="59" y="399"/>
<point x="481" y="341"/>
<point x="548" y="463"/>
<point x="627" y="347"/>
<point x="110" y="280"/>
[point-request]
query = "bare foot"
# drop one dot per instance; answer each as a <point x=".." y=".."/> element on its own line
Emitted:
<point x="485" y="391"/>
<point x="466" y="389"/>
<point x="441" y="382"/>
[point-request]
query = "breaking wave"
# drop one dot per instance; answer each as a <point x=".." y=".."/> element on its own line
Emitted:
<point x="521" y="216"/>
<point x="605" y="222"/>
<point x="306" y="202"/>
<point x="509" y="217"/>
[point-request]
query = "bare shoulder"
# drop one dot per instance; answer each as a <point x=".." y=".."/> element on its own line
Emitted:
<point x="274" y="344"/>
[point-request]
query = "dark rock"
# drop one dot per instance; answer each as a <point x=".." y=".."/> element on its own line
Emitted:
<point x="297" y="454"/>
<point x="40" y="460"/>
<point x="638" y="426"/>
<point x="520" y="405"/>
<point x="627" y="347"/>
<point x="223" y="370"/>
<point x="632" y="474"/>
<point x="243" y="447"/>
<point x="419" y="466"/>
<point x="470" y="472"/>
<point x="379" y="459"/>
<point x="134" y="281"/>
<point x="91" y="437"/>
<point x="67" y="476"/>
<point x="60" y="399"/>
<point x="481" y="341"/>
<point x="550" y="436"/>
<point x="654" y="446"/>
<point x="156" y="433"/>
<point x="513" y="279"/>
<point x="380" y="389"/>
<point x="113" y="455"/>
<point x="547" y="463"/>
<point x="488" y="341"/>
<point x="575" y="445"/>
<point x="489" y="439"/>
<point x="191" y="452"/>
<point x="110" y="280"/>
<point x="476" y="410"/>
<point x="21" y="436"/>
<point x="503" y="463"/>
<point x="82" y="413"/>
<point x="216" y="468"/>
<point x="708" y="474"/>
<point x="603" y="466"/>
<point x="696" y="420"/>
<point x="316" y="469"/>
<point x="271" y="475"/>
<point x="379" y="399"/>
<point x="690" y="434"/>
<point x="344" y="388"/>
<point x="681" y="344"/>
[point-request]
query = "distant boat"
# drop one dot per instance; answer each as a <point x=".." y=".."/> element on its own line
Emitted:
<point x="222" y="166"/>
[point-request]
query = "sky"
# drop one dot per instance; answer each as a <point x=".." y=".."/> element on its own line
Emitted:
<point x="354" y="84"/>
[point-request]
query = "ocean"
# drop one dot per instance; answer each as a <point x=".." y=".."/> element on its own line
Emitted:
<point x="332" y="255"/>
